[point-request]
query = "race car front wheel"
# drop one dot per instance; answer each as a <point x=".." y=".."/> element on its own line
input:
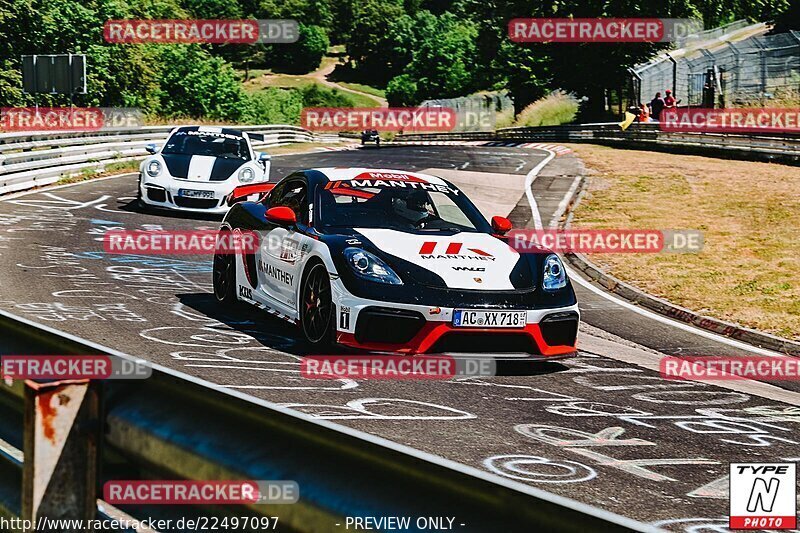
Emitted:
<point x="316" y="307"/>
<point x="224" y="277"/>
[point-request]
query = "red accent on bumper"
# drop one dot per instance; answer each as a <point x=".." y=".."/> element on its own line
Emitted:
<point x="431" y="332"/>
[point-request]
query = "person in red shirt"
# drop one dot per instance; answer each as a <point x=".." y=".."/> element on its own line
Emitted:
<point x="669" y="100"/>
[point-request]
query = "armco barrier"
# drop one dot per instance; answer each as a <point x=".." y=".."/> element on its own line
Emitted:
<point x="781" y="148"/>
<point x="173" y="426"/>
<point x="30" y="160"/>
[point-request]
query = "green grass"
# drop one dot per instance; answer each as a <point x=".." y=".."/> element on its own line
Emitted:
<point x="374" y="91"/>
<point x="554" y="109"/>
<point x="108" y="170"/>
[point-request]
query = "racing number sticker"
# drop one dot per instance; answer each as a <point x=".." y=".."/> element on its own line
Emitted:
<point x="344" y="318"/>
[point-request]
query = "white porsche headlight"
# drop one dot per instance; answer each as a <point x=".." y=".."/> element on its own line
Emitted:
<point x="368" y="266"/>
<point x="153" y="168"/>
<point x="246" y="175"/>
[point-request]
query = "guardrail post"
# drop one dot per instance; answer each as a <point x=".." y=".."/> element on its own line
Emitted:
<point x="60" y="444"/>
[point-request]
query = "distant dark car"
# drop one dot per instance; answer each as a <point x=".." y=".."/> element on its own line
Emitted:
<point x="370" y="136"/>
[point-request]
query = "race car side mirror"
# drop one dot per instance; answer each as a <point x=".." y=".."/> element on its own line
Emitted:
<point x="151" y="148"/>
<point x="281" y="215"/>
<point x="263" y="158"/>
<point x="501" y="225"/>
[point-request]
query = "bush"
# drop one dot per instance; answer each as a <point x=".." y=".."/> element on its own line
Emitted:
<point x="556" y="108"/>
<point x="318" y="96"/>
<point x="401" y="91"/>
<point x="283" y="106"/>
<point x="273" y="106"/>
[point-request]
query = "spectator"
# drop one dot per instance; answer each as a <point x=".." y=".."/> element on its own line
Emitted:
<point x="644" y="114"/>
<point x="669" y="100"/>
<point x="656" y="106"/>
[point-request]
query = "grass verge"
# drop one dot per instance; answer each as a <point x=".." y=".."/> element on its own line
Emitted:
<point x="108" y="170"/>
<point x="749" y="269"/>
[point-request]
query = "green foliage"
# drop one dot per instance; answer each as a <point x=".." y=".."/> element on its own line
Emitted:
<point x="318" y="96"/>
<point x="306" y="54"/>
<point x="556" y="108"/>
<point x="444" y="59"/>
<point x="369" y="40"/>
<point x="273" y="106"/>
<point x="283" y="106"/>
<point x="417" y="49"/>
<point x="195" y="84"/>
<point x="402" y="91"/>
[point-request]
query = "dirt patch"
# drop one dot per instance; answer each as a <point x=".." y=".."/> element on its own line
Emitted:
<point x="749" y="269"/>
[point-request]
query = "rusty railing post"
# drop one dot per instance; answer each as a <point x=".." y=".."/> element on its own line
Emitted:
<point x="60" y="443"/>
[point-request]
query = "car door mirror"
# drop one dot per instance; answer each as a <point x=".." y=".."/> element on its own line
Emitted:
<point x="151" y="148"/>
<point x="501" y="225"/>
<point x="281" y="215"/>
<point x="263" y="158"/>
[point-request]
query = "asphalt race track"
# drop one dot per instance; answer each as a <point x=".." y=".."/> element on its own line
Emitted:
<point x="602" y="428"/>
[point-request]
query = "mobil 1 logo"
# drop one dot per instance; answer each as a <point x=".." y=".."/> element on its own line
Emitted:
<point x="763" y="496"/>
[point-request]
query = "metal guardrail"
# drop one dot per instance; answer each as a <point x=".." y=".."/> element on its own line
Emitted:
<point x="783" y="148"/>
<point x="30" y="160"/>
<point x="151" y="427"/>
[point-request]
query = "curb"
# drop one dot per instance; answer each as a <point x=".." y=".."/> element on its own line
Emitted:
<point x="663" y="307"/>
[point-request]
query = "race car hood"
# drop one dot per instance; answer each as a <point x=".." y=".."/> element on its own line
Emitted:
<point x="201" y="167"/>
<point x="476" y="261"/>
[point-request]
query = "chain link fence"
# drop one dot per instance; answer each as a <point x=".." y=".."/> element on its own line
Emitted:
<point x="759" y="70"/>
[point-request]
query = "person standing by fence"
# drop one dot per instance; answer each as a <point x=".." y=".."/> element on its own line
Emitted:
<point x="656" y="106"/>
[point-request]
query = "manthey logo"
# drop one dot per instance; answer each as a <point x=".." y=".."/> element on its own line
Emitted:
<point x="384" y="180"/>
<point x="763" y="496"/>
<point x="453" y="250"/>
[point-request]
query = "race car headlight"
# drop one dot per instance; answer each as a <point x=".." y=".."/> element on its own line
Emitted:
<point x="369" y="267"/>
<point x="153" y="168"/>
<point x="246" y="175"/>
<point x="554" y="277"/>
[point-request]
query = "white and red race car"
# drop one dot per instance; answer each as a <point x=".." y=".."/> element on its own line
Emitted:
<point x="394" y="261"/>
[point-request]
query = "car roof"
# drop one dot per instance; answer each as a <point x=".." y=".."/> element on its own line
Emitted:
<point x="361" y="173"/>
<point x="211" y="129"/>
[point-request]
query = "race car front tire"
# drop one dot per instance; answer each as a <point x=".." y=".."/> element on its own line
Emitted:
<point x="224" y="278"/>
<point x="316" y="307"/>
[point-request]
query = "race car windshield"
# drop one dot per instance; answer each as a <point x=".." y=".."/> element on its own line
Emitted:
<point x="398" y="208"/>
<point x="223" y="146"/>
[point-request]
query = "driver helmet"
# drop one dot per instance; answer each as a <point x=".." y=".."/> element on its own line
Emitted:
<point x="414" y="207"/>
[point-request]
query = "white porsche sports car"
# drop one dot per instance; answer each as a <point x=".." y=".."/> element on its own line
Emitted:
<point x="394" y="261"/>
<point x="198" y="167"/>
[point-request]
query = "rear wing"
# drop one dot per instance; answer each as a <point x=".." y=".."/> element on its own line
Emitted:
<point x="243" y="192"/>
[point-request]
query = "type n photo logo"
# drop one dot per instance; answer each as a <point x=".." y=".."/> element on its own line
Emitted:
<point x="763" y="496"/>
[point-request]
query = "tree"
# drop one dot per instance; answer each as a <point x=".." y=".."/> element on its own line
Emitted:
<point x="401" y="91"/>
<point x="303" y="56"/>
<point x="369" y="38"/>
